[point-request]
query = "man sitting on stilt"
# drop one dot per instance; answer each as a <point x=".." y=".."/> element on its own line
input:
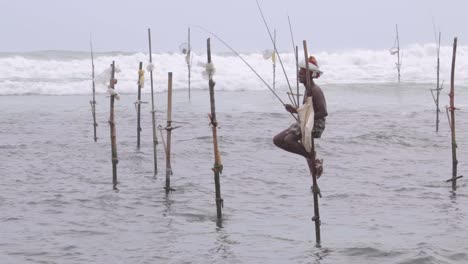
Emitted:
<point x="292" y="139"/>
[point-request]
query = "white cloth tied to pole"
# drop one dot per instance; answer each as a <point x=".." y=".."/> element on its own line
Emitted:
<point x="111" y="92"/>
<point x="104" y="77"/>
<point x="150" y="67"/>
<point x="141" y="78"/>
<point x="306" y="119"/>
<point x="209" y="71"/>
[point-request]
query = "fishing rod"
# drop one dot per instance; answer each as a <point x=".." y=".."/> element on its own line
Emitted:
<point x="296" y="56"/>
<point x="276" y="50"/>
<point x="246" y="63"/>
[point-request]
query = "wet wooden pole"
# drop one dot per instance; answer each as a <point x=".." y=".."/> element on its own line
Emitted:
<point x="189" y="63"/>
<point x="115" y="159"/>
<point x="93" y="102"/>
<point x="218" y="166"/>
<point x="297" y="77"/>
<point x="438" y="87"/>
<point x="169" y="133"/>
<point x="273" y="58"/>
<point x="153" y="111"/>
<point x="140" y="82"/>
<point x="398" y="53"/>
<point x="452" y="120"/>
<point x="315" y="188"/>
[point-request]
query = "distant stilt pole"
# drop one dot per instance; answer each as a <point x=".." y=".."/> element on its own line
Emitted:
<point x="189" y="63"/>
<point x="273" y="58"/>
<point x="452" y="120"/>
<point x="398" y="53"/>
<point x="169" y="134"/>
<point x="438" y="86"/>
<point x="115" y="160"/>
<point x="140" y="80"/>
<point x="315" y="188"/>
<point x="218" y="166"/>
<point x="93" y="102"/>
<point x="153" y="111"/>
<point x="297" y="77"/>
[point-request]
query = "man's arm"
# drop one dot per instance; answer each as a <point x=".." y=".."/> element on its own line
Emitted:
<point x="320" y="105"/>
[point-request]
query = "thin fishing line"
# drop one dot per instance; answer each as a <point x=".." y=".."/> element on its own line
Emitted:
<point x="276" y="50"/>
<point x="246" y="63"/>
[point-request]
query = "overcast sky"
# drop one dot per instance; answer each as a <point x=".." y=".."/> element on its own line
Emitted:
<point x="327" y="25"/>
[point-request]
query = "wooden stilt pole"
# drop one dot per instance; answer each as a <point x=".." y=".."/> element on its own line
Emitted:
<point x="169" y="134"/>
<point x="153" y="111"/>
<point x="115" y="160"/>
<point x="297" y="77"/>
<point x="452" y="120"/>
<point x="140" y="78"/>
<point x="398" y="53"/>
<point x="93" y="102"/>
<point x="189" y="63"/>
<point x="273" y="58"/>
<point x="315" y="188"/>
<point x="438" y="87"/>
<point x="218" y="166"/>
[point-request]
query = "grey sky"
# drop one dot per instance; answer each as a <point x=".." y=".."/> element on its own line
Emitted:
<point x="327" y="25"/>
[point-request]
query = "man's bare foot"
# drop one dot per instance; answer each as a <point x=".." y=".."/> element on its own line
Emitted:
<point x="318" y="166"/>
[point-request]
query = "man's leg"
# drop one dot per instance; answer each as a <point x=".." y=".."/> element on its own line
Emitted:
<point x="289" y="141"/>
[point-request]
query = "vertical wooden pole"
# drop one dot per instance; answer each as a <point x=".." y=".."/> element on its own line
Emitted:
<point x="153" y="111"/>
<point x="297" y="77"/>
<point x="93" y="102"/>
<point x="218" y="166"/>
<point x="398" y="53"/>
<point x="315" y="188"/>
<point x="169" y="132"/>
<point x="438" y="85"/>
<point x="452" y="120"/>
<point x="115" y="160"/>
<point x="273" y="58"/>
<point x="189" y="62"/>
<point x="140" y="76"/>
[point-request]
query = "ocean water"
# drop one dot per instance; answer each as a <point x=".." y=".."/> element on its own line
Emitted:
<point x="385" y="199"/>
<point x="65" y="72"/>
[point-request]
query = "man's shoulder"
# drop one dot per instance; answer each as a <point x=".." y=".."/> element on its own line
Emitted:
<point x="316" y="88"/>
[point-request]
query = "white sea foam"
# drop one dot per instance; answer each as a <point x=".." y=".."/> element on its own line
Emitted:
<point x="62" y="72"/>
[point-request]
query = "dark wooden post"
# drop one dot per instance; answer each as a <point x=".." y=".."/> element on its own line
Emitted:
<point x="115" y="160"/>
<point x="140" y="82"/>
<point x="189" y="62"/>
<point x="452" y="120"/>
<point x="398" y="53"/>
<point x="297" y="77"/>
<point x="218" y="166"/>
<point x="438" y="86"/>
<point x="93" y="102"/>
<point x="153" y="111"/>
<point x="315" y="188"/>
<point x="273" y="58"/>
<point x="169" y="132"/>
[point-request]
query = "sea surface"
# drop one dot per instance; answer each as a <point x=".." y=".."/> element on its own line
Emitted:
<point x="385" y="199"/>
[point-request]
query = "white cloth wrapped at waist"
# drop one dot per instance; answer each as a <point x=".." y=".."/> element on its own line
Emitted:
<point x="306" y="120"/>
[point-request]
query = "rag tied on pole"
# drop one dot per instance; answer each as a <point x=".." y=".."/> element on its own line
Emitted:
<point x="306" y="122"/>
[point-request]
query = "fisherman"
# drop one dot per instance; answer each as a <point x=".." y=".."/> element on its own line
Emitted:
<point x="291" y="139"/>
